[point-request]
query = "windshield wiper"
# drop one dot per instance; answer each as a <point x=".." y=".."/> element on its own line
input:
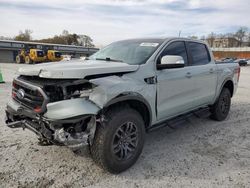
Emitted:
<point x="108" y="59"/>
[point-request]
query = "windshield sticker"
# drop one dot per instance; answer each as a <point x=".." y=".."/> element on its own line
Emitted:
<point x="149" y="44"/>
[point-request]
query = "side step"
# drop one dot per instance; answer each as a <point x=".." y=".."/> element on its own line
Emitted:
<point x="171" y="123"/>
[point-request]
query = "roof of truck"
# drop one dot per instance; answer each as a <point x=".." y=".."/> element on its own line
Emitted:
<point x="163" y="39"/>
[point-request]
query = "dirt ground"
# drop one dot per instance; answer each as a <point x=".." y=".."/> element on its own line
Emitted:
<point x="197" y="152"/>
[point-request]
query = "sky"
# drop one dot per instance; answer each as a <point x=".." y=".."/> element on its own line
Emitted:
<point x="110" y="20"/>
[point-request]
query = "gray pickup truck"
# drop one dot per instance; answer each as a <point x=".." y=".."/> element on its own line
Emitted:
<point x="109" y="101"/>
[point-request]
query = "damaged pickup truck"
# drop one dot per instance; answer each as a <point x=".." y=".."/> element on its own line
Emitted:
<point x="110" y="100"/>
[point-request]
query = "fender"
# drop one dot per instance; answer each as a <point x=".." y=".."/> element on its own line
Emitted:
<point x="70" y="108"/>
<point x="221" y="87"/>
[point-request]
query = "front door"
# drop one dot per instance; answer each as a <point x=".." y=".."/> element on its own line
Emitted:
<point x="175" y="87"/>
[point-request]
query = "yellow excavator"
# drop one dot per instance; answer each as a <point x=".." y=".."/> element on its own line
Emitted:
<point x="32" y="55"/>
<point x="53" y="55"/>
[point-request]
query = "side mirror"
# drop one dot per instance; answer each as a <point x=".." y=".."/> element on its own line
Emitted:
<point x="170" y="62"/>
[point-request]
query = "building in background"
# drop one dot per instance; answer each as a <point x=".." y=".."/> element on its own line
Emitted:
<point x="228" y="42"/>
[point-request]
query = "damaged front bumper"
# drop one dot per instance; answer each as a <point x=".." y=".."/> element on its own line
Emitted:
<point x="70" y="122"/>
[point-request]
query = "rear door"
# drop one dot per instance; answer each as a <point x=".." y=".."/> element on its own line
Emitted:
<point x="175" y="89"/>
<point x="204" y="73"/>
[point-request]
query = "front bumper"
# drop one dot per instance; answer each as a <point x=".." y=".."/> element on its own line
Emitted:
<point x="73" y="131"/>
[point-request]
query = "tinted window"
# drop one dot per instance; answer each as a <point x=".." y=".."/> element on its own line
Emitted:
<point x="176" y="48"/>
<point x="199" y="53"/>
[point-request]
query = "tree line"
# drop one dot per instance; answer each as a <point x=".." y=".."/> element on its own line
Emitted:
<point x="64" y="38"/>
<point x="242" y="35"/>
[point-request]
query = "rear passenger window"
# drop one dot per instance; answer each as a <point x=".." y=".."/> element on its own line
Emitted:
<point x="199" y="53"/>
<point x="176" y="48"/>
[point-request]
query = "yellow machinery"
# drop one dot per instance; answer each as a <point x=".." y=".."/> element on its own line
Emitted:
<point x="30" y="56"/>
<point x="53" y="55"/>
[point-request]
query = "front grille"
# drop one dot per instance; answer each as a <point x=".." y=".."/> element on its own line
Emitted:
<point x="29" y="96"/>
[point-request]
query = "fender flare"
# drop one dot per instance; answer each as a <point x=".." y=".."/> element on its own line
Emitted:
<point x="222" y="85"/>
<point x="123" y="97"/>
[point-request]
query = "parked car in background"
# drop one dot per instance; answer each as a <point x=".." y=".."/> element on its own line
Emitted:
<point x="83" y="57"/>
<point x="67" y="57"/>
<point x="226" y="60"/>
<point x="241" y="62"/>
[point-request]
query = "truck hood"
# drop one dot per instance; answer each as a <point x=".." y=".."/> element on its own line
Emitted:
<point x="75" y="69"/>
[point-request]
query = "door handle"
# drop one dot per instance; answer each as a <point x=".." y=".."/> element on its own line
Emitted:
<point x="188" y="75"/>
<point x="211" y="70"/>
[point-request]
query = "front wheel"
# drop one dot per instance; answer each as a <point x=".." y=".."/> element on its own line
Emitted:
<point x="119" y="142"/>
<point x="221" y="107"/>
<point x="19" y="59"/>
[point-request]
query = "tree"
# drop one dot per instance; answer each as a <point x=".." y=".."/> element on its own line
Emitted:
<point x="248" y="40"/>
<point x="241" y="34"/>
<point x="203" y="37"/>
<point x="65" y="33"/>
<point x="24" y="36"/>
<point x="210" y="39"/>
<point x="193" y="37"/>
<point x="5" y="38"/>
<point x="69" y="39"/>
<point x="86" y="41"/>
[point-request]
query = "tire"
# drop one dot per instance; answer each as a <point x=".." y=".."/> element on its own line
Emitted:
<point x="19" y="59"/>
<point x="28" y="60"/>
<point x="106" y="150"/>
<point x="221" y="107"/>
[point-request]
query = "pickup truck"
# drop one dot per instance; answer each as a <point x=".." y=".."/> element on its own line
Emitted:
<point x="110" y="100"/>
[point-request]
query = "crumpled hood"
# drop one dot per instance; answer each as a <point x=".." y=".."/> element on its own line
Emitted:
<point x="75" y="69"/>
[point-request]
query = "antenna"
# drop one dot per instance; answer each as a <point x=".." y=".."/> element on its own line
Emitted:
<point x="180" y="33"/>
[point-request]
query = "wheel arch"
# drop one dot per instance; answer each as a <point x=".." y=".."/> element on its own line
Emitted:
<point x="228" y="83"/>
<point x="135" y="101"/>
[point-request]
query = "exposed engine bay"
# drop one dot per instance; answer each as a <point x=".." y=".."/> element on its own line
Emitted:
<point x="61" y="89"/>
<point x="28" y="109"/>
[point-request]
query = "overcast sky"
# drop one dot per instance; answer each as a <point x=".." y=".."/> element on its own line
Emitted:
<point x="110" y="20"/>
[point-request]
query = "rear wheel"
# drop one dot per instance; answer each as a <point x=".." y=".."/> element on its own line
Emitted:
<point x="28" y="60"/>
<point x="221" y="108"/>
<point x="118" y="144"/>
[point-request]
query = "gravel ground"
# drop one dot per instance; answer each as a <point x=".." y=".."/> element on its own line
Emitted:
<point x="197" y="152"/>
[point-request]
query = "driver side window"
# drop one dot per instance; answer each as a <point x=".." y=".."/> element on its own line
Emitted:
<point x="175" y="48"/>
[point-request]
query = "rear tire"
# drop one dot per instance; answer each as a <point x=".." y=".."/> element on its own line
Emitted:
<point x="19" y="59"/>
<point x="119" y="142"/>
<point x="221" y="107"/>
<point x="28" y="60"/>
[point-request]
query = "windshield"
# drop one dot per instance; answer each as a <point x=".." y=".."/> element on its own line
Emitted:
<point x="134" y="52"/>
